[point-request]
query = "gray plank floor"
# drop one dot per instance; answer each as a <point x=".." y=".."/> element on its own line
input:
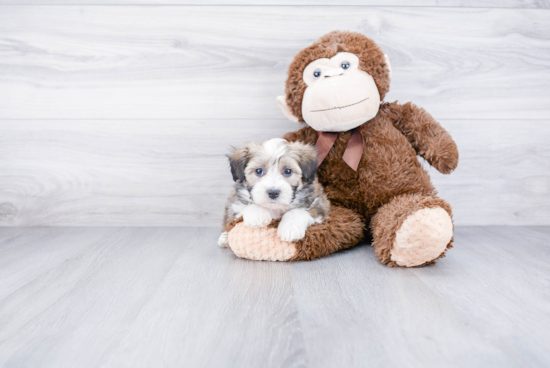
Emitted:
<point x="153" y="297"/>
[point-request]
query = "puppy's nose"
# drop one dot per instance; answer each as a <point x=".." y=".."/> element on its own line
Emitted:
<point x="273" y="193"/>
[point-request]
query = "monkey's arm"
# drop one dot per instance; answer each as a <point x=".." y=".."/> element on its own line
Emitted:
<point x="428" y="138"/>
<point x="305" y="135"/>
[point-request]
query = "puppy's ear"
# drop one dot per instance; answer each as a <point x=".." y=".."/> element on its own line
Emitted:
<point x="307" y="160"/>
<point x="238" y="159"/>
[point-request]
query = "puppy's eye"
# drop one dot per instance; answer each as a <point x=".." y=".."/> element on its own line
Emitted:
<point x="317" y="73"/>
<point x="259" y="172"/>
<point x="287" y="172"/>
<point x="345" y="65"/>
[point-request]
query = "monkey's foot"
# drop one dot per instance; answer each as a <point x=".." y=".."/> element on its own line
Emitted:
<point x="423" y="237"/>
<point x="340" y="230"/>
<point x="259" y="244"/>
<point x="412" y="230"/>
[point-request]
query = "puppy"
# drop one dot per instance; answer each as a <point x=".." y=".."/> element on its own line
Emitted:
<point x="275" y="180"/>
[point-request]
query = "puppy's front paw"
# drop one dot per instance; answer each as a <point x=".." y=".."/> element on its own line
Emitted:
<point x="294" y="224"/>
<point x="222" y="240"/>
<point x="288" y="231"/>
<point x="256" y="216"/>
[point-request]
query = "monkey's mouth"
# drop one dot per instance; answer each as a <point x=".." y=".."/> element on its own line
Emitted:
<point x="341" y="107"/>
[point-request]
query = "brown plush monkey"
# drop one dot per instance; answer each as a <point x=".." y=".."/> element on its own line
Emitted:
<point x="368" y="159"/>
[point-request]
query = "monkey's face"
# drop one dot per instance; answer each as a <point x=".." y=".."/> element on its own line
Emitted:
<point x="339" y="96"/>
<point x="336" y="84"/>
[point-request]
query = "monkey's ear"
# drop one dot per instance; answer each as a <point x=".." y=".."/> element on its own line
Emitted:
<point x="387" y="60"/>
<point x="238" y="159"/>
<point x="281" y="101"/>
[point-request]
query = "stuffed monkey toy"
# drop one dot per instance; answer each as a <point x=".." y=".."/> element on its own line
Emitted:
<point x="367" y="160"/>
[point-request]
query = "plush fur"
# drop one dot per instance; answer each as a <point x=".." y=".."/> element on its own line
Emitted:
<point x="340" y="230"/>
<point x="388" y="168"/>
<point x="390" y="192"/>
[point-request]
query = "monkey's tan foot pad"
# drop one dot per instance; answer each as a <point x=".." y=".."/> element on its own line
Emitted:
<point x="422" y="237"/>
<point x="342" y="229"/>
<point x="259" y="244"/>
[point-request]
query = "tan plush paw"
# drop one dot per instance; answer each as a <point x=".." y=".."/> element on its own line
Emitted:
<point x="259" y="244"/>
<point x="423" y="237"/>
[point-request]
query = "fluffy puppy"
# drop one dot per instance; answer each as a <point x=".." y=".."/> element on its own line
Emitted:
<point x="275" y="180"/>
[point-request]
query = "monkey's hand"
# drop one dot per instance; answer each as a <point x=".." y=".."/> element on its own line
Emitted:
<point x="428" y="138"/>
<point x="444" y="156"/>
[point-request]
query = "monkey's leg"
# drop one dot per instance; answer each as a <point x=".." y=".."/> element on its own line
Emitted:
<point x="412" y="230"/>
<point x="340" y="230"/>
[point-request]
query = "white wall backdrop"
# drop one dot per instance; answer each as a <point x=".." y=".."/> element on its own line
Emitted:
<point x="121" y="113"/>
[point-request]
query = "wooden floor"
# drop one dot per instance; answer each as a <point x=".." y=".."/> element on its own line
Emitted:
<point x="155" y="297"/>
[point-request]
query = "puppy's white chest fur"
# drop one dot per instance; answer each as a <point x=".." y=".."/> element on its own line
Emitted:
<point x="276" y="213"/>
<point x="239" y="207"/>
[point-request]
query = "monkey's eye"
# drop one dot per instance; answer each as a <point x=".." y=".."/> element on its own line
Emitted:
<point x="317" y="73"/>
<point x="259" y="172"/>
<point x="345" y="65"/>
<point x="287" y="172"/>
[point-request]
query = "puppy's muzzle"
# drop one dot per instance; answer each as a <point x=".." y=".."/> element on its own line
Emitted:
<point x="273" y="193"/>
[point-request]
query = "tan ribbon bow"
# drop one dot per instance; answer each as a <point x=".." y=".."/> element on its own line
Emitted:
<point x="352" y="154"/>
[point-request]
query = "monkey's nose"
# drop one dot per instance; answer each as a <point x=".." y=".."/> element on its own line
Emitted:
<point x="273" y="193"/>
<point x="333" y="72"/>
